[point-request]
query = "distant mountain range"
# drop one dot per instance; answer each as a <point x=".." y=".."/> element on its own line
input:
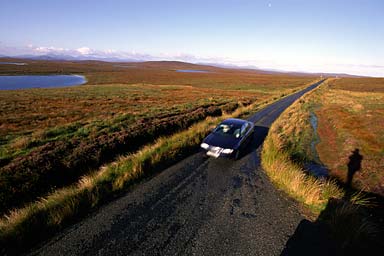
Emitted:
<point x="58" y="57"/>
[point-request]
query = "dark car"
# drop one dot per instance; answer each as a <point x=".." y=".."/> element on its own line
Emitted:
<point x="229" y="138"/>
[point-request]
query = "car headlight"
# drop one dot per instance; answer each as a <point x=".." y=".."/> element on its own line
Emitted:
<point x="204" y="145"/>
<point x="227" y="151"/>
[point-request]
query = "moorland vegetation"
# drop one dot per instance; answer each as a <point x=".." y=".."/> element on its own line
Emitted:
<point x="66" y="151"/>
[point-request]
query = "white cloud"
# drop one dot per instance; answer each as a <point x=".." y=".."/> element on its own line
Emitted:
<point x="84" y="50"/>
<point x="50" y="49"/>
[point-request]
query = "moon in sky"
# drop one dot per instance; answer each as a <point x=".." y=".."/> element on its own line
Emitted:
<point x="269" y="5"/>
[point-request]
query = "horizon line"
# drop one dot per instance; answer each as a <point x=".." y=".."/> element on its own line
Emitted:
<point x="86" y="53"/>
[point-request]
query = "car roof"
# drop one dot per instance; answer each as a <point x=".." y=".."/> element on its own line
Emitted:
<point x="235" y="121"/>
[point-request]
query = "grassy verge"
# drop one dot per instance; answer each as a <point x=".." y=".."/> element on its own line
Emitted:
<point x="291" y="178"/>
<point x="349" y="114"/>
<point x="285" y="149"/>
<point x="352" y="222"/>
<point x="23" y="228"/>
<point x="289" y="145"/>
<point x="61" y="162"/>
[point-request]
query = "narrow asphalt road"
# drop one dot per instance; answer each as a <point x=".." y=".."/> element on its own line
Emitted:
<point x="200" y="206"/>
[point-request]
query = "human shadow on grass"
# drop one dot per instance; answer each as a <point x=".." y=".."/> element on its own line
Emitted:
<point x="354" y="165"/>
<point x="343" y="227"/>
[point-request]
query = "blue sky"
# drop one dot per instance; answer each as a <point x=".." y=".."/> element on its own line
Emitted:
<point x="315" y="36"/>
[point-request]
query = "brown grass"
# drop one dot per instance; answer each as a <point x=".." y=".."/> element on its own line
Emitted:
<point x="29" y="111"/>
<point x="346" y="120"/>
<point x="359" y="84"/>
<point x="141" y="89"/>
<point x="161" y="73"/>
<point x="351" y="117"/>
<point x="50" y="137"/>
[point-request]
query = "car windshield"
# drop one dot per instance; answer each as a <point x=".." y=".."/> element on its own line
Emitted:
<point x="228" y="130"/>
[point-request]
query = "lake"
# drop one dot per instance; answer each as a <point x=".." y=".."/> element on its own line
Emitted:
<point x="192" y="71"/>
<point x="38" y="81"/>
<point x="14" y="63"/>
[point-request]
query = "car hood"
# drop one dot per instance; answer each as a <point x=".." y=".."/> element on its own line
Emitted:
<point x="221" y="141"/>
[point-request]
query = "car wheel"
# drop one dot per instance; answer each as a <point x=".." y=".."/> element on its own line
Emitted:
<point x="237" y="154"/>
